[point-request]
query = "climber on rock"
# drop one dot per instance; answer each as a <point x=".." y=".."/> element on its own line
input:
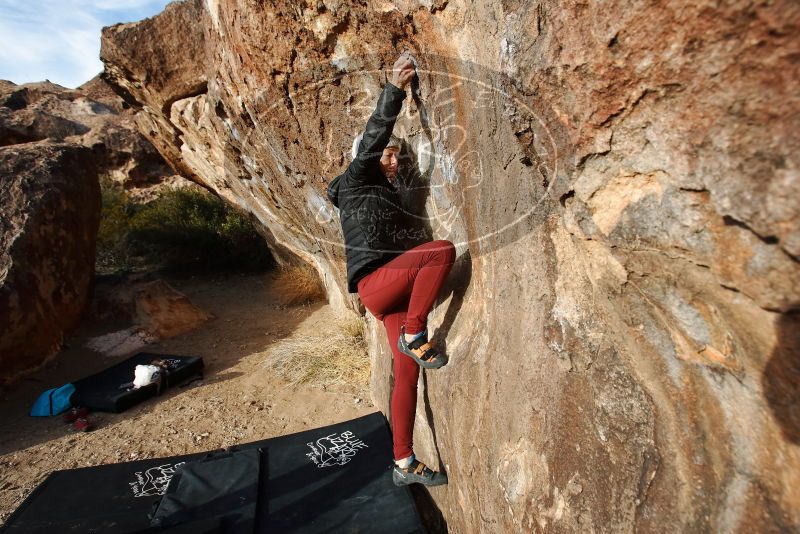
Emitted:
<point x="397" y="285"/>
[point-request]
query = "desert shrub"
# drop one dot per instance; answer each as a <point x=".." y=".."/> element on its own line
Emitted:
<point x="181" y="230"/>
<point x="113" y="249"/>
<point x="299" y="285"/>
<point x="336" y="357"/>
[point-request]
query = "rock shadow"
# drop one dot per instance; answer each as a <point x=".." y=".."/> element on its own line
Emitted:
<point x="455" y="285"/>
<point x="781" y="378"/>
<point x="431" y="516"/>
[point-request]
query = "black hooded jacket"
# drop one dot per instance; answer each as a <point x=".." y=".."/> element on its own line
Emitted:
<point x="369" y="205"/>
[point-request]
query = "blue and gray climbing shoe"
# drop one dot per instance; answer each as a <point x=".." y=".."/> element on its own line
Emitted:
<point x="421" y="350"/>
<point x="417" y="473"/>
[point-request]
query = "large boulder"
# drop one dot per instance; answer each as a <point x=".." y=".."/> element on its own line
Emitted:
<point x="49" y="215"/>
<point x="56" y="145"/>
<point x="621" y="182"/>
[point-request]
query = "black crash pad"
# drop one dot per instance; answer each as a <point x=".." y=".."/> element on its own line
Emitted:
<point x="331" y="479"/>
<point x="223" y="487"/>
<point x="335" y="479"/>
<point x="107" y="498"/>
<point x="106" y="391"/>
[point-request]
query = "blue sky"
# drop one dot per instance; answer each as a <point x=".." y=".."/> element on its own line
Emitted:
<point x="59" y="40"/>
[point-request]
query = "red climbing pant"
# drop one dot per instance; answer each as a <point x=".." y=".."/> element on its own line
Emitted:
<point x="402" y="292"/>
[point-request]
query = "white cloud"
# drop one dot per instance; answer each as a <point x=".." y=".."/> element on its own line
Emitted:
<point x="59" y="40"/>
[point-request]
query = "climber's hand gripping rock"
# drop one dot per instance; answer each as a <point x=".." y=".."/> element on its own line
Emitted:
<point x="403" y="71"/>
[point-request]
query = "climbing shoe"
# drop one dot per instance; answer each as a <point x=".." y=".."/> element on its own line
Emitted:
<point x="421" y="350"/>
<point x="417" y="473"/>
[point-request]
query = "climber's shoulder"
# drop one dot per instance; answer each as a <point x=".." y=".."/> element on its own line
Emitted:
<point x="334" y="187"/>
<point x="343" y="187"/>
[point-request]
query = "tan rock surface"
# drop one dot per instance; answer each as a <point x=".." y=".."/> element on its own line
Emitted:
<point x="151" y="311"/>
<point x="166" y="312"/>
<point x="620" y="181"/>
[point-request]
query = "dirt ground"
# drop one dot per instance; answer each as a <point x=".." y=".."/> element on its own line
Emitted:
<point x="238" y="401"/>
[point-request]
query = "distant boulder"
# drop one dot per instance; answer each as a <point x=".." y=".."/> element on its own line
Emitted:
<point x="92" y="116"/>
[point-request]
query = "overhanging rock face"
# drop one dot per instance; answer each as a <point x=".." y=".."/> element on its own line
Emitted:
<point x="621" y="183"/>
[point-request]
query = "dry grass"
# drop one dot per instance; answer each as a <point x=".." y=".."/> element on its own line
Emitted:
<point x="337" y="357"/>
<point x="299" y="285"/>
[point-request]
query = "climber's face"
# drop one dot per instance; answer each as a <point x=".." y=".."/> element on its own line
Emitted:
<point x="389" y="163"/>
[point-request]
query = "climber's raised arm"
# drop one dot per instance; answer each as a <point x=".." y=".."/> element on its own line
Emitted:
<point x="381" y="123"/>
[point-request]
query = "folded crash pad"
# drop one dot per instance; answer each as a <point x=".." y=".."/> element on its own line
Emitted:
<point x="223" y="485"/>
<point x="111" y="390"/>
<point x="331" y="479"/>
